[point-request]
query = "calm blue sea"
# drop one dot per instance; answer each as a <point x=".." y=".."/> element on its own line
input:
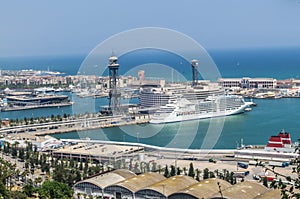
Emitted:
<point x="280" y="63"/>
<point x="254" y="127"/>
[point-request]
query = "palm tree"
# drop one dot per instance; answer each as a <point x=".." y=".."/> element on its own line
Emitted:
<point x="24" y="175"/>
<point x="14" y="151"/>
<point x="191" y="171"/>
<point x="184" y="171"/>
<point x="178" y="172"/>
<point x="166" y="173"/>
<point x="198" y="175"/>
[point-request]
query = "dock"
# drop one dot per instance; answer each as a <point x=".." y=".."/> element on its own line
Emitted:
<point x="71" y="125"/>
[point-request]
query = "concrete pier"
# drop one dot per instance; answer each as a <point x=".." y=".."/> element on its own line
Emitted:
<point x="74" y="125"/>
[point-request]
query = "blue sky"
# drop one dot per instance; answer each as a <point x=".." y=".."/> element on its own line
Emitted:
<point x="75" y="27"/>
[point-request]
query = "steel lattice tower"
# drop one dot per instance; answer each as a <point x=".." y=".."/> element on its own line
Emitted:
<point x="114" y="94"/>
<point x="194" y="64"/>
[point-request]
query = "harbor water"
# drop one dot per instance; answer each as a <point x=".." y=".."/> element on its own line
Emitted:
<point x="254" y="127"/>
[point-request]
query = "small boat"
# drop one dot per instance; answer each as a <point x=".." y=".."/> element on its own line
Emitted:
<point x="248" y="109"/>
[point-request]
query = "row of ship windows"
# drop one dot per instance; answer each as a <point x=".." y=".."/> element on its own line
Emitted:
<point x="201" y="111"/>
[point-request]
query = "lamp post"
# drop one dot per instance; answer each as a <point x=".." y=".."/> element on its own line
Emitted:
<point x="163" y="186"/>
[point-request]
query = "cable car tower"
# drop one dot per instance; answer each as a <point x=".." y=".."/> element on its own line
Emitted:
<point x="195" y="64"/>
<point x="114" y="93"/>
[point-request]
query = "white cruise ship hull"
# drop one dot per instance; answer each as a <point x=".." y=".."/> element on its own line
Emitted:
<point x="173" y="117"/>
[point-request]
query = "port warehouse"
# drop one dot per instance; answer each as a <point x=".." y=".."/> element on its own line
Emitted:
<point x="125" y="184"/>
<point x="92" y="149"/>
<point x="163" y="152"/>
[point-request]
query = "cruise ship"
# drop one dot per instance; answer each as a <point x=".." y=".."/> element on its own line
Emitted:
<point x="181" y="109"/>
<point x="152" y="98"/>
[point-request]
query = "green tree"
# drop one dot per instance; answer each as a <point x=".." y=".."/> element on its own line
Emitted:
<point x="28" y="190"/>
<point x="14" y="152"/>
<point x="178" y="172"/>
<point x="54" y="189"/>
<point x="81" y="165"/>
<point x="211" y="174"/>
<point x="86" y="167"/>
<point x="21" y="154"/>
<point x="65" y="116"/>
<point x="232" y="179"/>
<point x="17" y="195"/>
<point x="32" y="120"/>
<point x="227" y="176"/>
<point x="72" y="163"/>
<point x="7" y="170"/>
<point x="166" y="173"/>
<point x="191" y="171"/>
<point x="6" y="147"/>
<point x="197" y="175"/>
<point x="205" y="173"/>
<point x="265" y="182"/>
<point x="59" y="118"/>
<point x="25" y="120"/>
<point x="77" y="176"/>
<point x="173" y="170"/>
<point x="38" y="180"/>
<point x="53" y="119"/>
<point x="3" y="191"/>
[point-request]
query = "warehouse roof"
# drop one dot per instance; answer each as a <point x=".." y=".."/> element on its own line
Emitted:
<point x="245" y="190"/>
<point x="171" y="185"/>
<point x="110" y="178"/>
<point x="138" y="182"/>
<point x="204" y="188"/>
<point x="274" y="194"/>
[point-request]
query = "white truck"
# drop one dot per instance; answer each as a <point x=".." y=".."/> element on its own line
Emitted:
<point x="277" y="164"/>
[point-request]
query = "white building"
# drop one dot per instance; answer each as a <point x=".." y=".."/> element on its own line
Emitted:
<point x="247" y="82"/>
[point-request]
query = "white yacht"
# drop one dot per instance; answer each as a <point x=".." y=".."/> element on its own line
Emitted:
<point x="181" y="109"/>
